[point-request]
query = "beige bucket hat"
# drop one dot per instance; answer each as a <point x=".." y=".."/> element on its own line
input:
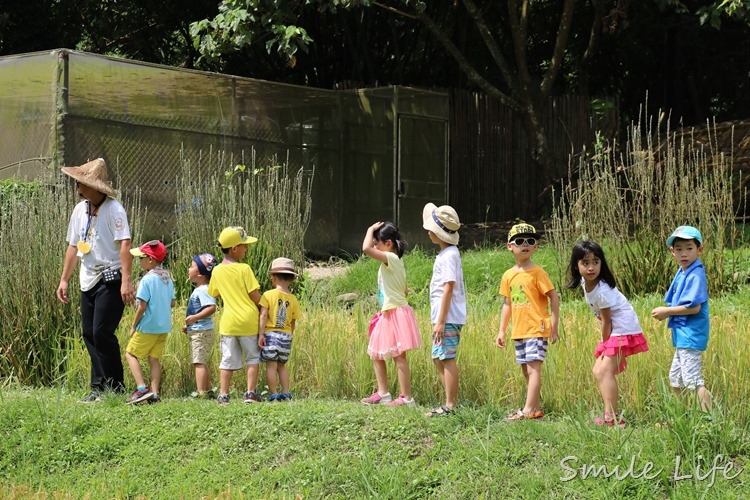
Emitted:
<point x="92" y="174"/>
<point x="443" y="221"/>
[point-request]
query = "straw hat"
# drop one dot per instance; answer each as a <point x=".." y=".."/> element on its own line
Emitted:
<point x="443" y="221"/>
<point x="282" y="265"/>
<point x="92" y="174"/>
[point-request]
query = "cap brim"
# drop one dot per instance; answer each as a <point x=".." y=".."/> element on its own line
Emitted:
<point x="250" y="240"/>
<point x="136" y="252"/>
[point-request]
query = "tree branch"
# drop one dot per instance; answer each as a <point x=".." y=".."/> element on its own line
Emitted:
<point x="491" y="43"/>
<point x="559" y="52"/>
<point x="465" y="65"/>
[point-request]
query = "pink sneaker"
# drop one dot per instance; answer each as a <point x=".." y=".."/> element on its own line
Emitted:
<point x="377" y="398"/>
<point x="401" y="401"/>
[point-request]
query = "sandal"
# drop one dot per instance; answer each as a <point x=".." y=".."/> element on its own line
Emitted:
<point x="609" y="420"/>
<point x="520" y="415"/>
<point x="440" y="411"/>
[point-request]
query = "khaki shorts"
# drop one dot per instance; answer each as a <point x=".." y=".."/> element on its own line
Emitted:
<point x="147" y="344"/>
<point x="237" y="351"/>
<point x="201" y="345"/>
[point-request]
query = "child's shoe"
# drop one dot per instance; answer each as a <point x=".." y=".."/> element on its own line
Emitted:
<point x="274" y="397"/>
<point x="154" y="398"/>
<point x="251" y="397"/>
<point x="377" y="398"/>
<point x="402" y="401"/>
<point x="285" y="396"/>
<point x="223" y="399"/>
<point x="139" y="395"/>
<point x="610" y="421"/>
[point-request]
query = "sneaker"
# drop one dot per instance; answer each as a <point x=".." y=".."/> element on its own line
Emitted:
<point x="251" y="397"/>
<point x="139" y="395"/>
<point x="401" y="401"/>
<point x="377" y="398"/>
<point x="223" y="399"/>
<point x="274" y="397"/>
<point x="285" y="396"/>
<point x="93" y="397"/>
<point x="154" y="398"/>
<point x="209" y="394"/>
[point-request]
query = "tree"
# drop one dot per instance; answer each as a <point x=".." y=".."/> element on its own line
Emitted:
<point x="524" y="42"/>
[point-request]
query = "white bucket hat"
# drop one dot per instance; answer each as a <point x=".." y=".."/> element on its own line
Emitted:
<point x="443" y="221"/>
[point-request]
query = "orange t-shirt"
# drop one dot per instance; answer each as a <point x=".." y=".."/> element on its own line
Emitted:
<point x="527" y="290"/>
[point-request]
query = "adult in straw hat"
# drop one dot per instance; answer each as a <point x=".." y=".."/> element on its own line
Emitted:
<point x="99" y="236"/>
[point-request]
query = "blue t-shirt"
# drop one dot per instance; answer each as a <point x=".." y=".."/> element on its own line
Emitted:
<point x="689" y="288"/>
<point x="199" y="300"/>
<point x="157" y="290"/>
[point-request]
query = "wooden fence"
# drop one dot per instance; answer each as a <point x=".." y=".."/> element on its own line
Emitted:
<point x="492" y="175"/>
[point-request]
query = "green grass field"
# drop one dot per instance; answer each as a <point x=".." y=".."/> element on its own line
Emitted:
<point x="325" y="443"/>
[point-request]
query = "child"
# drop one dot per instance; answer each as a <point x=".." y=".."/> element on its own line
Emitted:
<point x="531" y="301"/>
<point x="235" y="283"/>
<point x="283" y="308"/>
<point x="447" y="300"/>
<point x="688" y="314"/>
<point x="198" y="323"/>
<point x="152" y="321"/>
<point x="396" y="330"/>
<point x="622" y="335"/>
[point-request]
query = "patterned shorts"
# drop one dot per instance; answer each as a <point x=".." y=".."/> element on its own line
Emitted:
<point x="448" y="347"/>
<point x="533" y="349"/>
<point x="278" y="346"/>
<point x="687" y="369"/>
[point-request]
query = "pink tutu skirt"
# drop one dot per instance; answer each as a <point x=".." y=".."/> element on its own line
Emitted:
<point x="394" y="333"/>
<point x="622" y="346"/>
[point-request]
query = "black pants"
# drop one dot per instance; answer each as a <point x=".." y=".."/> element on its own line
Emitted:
<point x="101" y="311"/>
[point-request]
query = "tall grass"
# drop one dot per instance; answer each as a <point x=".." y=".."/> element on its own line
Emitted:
<point x="631" y="197"/>
<point x="271" y="202"/>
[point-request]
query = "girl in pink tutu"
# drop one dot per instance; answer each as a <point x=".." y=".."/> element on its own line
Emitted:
<point x="622" y="335"/>
<point x="393" y="331"/>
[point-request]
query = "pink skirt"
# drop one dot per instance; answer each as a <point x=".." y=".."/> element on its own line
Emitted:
<point x="394" y="333"/>
<point x="622" y="346"/>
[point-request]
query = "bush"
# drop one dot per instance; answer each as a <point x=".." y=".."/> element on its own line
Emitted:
<point x="632" y="198"/>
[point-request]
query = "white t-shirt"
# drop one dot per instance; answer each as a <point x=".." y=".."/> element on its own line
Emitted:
<point x="103" y="232"/>
<point x="448" y="268"/>
<point x="624" y="319"/>
<point x="392" y="283"/>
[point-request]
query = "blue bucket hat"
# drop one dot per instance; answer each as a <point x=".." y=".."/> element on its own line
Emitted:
<point x="685" y="233"/>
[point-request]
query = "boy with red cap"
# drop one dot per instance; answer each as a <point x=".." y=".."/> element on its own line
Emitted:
<point x="152" y="322"/>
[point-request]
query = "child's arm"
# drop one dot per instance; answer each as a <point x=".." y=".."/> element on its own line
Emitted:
<point x="606" y="319"/>
<point x="202" y="314"/>
<point x="369" y="248"/>
<point x="438" y="330"/>
<point x="662" y="313"/>
<point x="554" y="306"/>
<point x="293" y="324"/>
<point x="255" y="297"/>
<point x="504" y="319"/>
<point x="173" y="303"/>
<point x="139" y="312"/>
<point x="262" y="327"/>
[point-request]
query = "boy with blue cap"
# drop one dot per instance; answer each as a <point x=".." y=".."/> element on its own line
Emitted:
<point x="199" y="326"/>
<point x="688" y="314"/>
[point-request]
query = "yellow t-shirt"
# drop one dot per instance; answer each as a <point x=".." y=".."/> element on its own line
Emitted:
<point x="282" y="309"/>
<point x="392" y="283"/>
<point x="528" y="290"/>
<point x="234" y="282"/>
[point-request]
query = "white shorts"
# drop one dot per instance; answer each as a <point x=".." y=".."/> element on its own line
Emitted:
<point x="687" y="369"/>
<point x="236" y="349"/>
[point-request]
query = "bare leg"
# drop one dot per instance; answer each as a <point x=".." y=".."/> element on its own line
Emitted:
<point x="135" y="369"/>
<point x="404" y="375"/>
<point x="155" y="365"/>
<point x="704" y="398"/>
<point x="202" y="378"/>
<point x="381" y="375"/>
<point x="283" y="378"/>
<point x="450" y="379"/>
<point x="533" y="373"/>
<point x="225" y="381"/>
<point x="271" y="376"/>
<point x="252" y="377"/>
<point x="604" y="373"/>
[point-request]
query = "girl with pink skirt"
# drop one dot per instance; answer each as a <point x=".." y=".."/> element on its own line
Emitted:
<point x="393" y="331"/>
<point x="622" y="335"/>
